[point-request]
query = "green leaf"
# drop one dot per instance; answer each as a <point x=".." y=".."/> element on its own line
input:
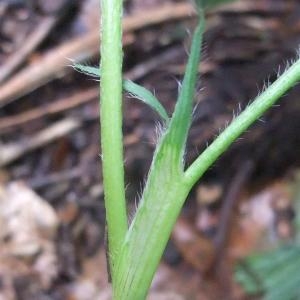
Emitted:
<point x="88" y="70"/>
<point x="134" y="89"/>
<point x="146" y="96"/>
<point x="275" y="273"/>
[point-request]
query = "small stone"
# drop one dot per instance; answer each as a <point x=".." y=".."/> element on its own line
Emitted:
<point x="209" y="193"/>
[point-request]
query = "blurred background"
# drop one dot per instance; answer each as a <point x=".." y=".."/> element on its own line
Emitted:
<point x="238" y="234"/>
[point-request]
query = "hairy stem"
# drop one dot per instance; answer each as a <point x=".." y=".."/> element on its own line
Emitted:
<point x="111" y="126"/>
<point x="182" y="116"/>
<point x="163" y="196"/>
<point x="240" y="124"/>
<point x="149" y="232"/>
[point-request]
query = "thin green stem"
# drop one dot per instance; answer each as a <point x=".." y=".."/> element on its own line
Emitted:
<point x="240" y="124"/>
<point x="182" y="116"/>
<point x="111" y="126"/>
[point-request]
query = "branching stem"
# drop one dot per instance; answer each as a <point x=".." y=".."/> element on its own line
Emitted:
<point x="240" y="124"/>
<point x="135" y="253"/>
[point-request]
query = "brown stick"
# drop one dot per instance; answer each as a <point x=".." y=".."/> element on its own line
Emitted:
<point x="227" y="211"/>
<point x="11" y="152"/>
<point x="53" y="107"/>
<point x="154" y="63"/>
<point x="55" y="178"/>
<point x="54" y="64"/>
<point x="35" y="38"/>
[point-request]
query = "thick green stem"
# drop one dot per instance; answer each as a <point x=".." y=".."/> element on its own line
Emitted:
<point x="149" y="232"/>
<point x="111" y="126"/>
<point x="240" y="124"/>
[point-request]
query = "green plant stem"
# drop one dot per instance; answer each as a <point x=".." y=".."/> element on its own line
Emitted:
<point x="182" y="116"/>
<point x="135" y="254"/>
<point x="163" y="196"/>
<point x="240" y="124"/>
<point x="149" y="232"/>
<point x="111" y="126"/>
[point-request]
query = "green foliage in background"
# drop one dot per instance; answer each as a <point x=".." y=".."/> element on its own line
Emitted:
<point x="275" y="274"/>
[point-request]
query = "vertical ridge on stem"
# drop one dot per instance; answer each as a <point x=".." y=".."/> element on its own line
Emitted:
<point x="111" y="126"/>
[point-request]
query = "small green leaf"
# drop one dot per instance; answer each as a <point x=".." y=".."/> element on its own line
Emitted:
<point x="88" y="70"/>
<point x="146" y="96"/>
<point x="129" y="86"/>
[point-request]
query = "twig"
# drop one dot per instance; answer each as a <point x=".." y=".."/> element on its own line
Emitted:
<point x="60" y="105"/>
<point x="250" y="6"/>
<point x="50" y="66"/>
<point x="54" y="178"/>
<point x="144" y="68"/>
<point x="35" y="38"/>
<point x="227" y="210"/>
<point x="9" y="153"/>
<point x="54" y="64"/>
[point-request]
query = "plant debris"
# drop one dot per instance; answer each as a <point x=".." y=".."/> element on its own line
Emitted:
<point x="51" y="196"/>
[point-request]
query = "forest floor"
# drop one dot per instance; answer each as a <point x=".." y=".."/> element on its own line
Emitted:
<point x="51" y="196"/>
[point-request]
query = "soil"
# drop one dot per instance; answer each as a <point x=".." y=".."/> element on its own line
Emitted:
<point x="49" y="142"/>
